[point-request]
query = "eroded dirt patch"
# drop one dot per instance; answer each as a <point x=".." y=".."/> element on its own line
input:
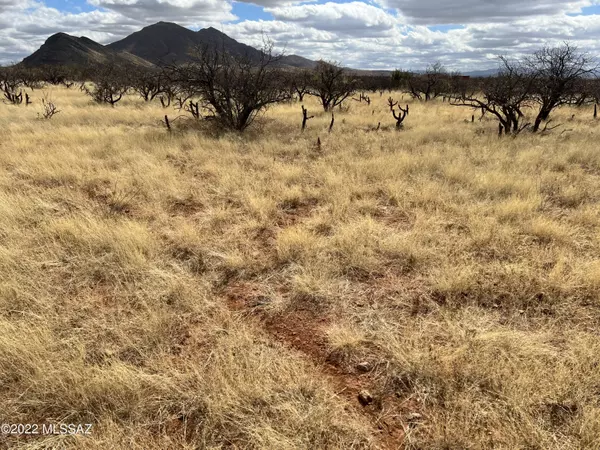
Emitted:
<point x="303" y="330"/>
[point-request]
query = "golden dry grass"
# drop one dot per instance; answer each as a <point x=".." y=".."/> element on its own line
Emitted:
<point x="211" y="291"/>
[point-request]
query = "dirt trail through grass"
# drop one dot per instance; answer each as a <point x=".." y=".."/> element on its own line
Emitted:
<point x="304" y="331"/>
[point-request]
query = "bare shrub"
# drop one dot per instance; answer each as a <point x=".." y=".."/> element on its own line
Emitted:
<point x="558" y="72"/>
<point x="148" y="83"/>
<point x="234" y="89"/>
<point x="49" y="109"/>
<point x="503" y="96"/>
<point x="110" y="83"/>
<point x="430" y="85"/>
<point x="331" y="84"/>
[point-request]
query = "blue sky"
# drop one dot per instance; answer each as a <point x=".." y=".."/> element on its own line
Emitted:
<point x="73" y="6"/>
<point x="376" y="34"/>
<point x="248" y="11"/>
<point x="590" y="10"/>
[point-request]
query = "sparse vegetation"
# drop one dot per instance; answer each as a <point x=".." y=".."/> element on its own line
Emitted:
<point x="430" y="85"/>
<point x="558" y="72"/>
<point x="331" y="84"/>
<point x="110" y="82"/>
<point x="505" y="96"/>
<point x="301" y="287"/>
<point x="49" y="109"/>
<point x="234" y="89"/>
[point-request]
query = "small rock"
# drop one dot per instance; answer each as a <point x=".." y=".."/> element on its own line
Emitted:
<point x="363" y="367"/>
<point x="413" y="417"/>
<point x="365" y="398"/>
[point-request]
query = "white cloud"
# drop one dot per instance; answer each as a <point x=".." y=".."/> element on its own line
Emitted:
<point x="7" y="5"/>
<point x="434" y="12"/>
<point x="476" y="46"/>
<point x="355" y="18"/>
<point x="185" y="12"/>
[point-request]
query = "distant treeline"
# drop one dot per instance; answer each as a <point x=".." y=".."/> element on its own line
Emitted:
<point x="232" y="89"/>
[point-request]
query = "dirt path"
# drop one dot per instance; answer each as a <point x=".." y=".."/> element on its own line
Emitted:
<point x="303" y="331"/>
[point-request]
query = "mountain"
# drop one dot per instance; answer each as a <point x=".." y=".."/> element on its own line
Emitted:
<point x="211" y="36"/>
<point x="482" y="73"/>
<point x="162" y="42"/>
<point x="166" y="42"/>
<point x="298" y="61"/>
<point x="64" y="49"/>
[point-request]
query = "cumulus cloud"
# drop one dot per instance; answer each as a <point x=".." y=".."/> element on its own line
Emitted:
<point x="471" y="11"/>
<point x="6" y="5"/>
<point x="359" y="52"/>
<point x="473" y="47"/>
<point x="355" y="18"/>
<point x="274" y="3"/>
<point x="185" y="12"/>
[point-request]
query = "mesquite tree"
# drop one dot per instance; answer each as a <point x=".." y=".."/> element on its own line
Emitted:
<point x="558" y="71"/>
<point x="430" y="85"/>
<point x="331" y="84"/>
<point x="400" y="79"/>
<point x="53" y="74"/>
<point x="148" y="83"/>
<point x="300" y="83"/>
<point x="457" y="86"/>
<point x="233" y="88"/>
<point x="110" y="83"/>
<point x="586" y="91"/>
<point x="504" y="96"/>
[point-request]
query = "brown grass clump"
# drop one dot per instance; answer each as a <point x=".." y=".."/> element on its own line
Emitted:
<point x="191" y="290"/>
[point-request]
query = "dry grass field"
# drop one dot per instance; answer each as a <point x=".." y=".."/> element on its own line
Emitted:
<point x="203" y="291"/>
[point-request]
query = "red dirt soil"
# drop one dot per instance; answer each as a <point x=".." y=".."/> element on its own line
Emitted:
<point x="303" y="331"/>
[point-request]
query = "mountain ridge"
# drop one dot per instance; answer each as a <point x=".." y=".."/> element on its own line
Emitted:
<point x="64" y="49"/>
<point x="160" y="43"/>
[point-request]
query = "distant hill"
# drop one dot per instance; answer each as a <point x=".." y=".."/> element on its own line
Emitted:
<point x="388" y="73"/>
<point x="162" y="42"/>
<point x="483" y="73"/>
<point x="63" y="49"/>
<point x="299" y="62"/>
<point x="166" y="42"/>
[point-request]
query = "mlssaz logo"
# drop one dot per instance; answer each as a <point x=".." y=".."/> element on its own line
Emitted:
<point x="67" y="428"/>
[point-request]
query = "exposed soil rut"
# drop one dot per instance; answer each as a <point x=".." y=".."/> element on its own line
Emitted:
<point x="303" y="331"/>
